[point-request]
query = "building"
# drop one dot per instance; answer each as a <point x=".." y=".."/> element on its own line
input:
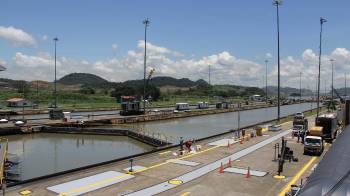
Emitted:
<point x="18" y="102"/>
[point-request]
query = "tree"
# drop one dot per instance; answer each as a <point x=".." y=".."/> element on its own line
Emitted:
<point x="87" y="90"/>
<point x="22" y="87"/>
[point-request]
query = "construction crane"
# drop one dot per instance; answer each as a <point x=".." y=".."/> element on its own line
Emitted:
<point x="150" y="74"/>
<point x="341" y="99"/>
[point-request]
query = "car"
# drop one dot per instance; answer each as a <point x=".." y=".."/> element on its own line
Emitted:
<point x="274" y="128"/>
<point x="299" y="115"/>
<point x="4" y="120"/>
<point x="19" y="123"/>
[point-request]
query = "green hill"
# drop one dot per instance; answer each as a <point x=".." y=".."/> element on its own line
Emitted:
<point x="84" y="79"/>
<point x="168" y="81"/>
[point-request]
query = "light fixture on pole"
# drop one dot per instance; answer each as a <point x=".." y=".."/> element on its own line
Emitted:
<point x="146" y="22"/>
<point x="277" y="3"/>
<point x="266" y="61"/>
<point x="322" y="20"/>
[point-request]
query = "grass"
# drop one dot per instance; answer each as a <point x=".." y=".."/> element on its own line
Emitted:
<point x="75" y="100"/>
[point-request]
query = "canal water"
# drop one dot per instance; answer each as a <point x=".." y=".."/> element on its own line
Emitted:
<point x="47" y="153"/>
<point x="208" y="125"/>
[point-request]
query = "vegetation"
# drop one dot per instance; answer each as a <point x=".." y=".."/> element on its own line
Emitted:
<point x="84" y="79"/>
<point x="81" y="90"/>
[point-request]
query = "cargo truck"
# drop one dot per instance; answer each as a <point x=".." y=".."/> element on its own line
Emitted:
<point x="300" y="123"/>
<point x="313" y="142"/>
<point x="330" y="126"/>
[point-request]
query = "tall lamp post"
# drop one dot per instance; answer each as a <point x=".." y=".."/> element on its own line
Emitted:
<point x="146" y="22"/>
<point x="266" y="61"/>
<point x="300" y="87"/>
<point x="332" y="60"/>
<point x="345" y="85"/>
<point x="55" y="82"/>
<point x="322" y="20"/>
<point x="277" y="3"/>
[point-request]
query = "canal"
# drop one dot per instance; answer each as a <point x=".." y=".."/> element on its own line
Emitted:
<point x="208" y="125"/>
<point x="47" y="153"/>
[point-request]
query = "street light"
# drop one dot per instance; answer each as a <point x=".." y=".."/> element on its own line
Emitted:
<point x="55" y="82"/>
<point x="322" y="20"/>
<point x="266" y="61"/>
<point x="277" y="3"/>
<point x="332" y="60"/>
<point x="146" y="22"/>
<point x="300" y="87"/>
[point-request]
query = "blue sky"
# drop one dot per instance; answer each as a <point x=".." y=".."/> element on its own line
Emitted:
<point x="196" y="29"/>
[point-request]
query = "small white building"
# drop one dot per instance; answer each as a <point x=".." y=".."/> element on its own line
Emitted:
<point x="19" y="102"/>
<point x="182" y="106"/>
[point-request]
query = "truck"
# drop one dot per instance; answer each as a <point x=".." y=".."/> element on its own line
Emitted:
<point x="300" y="123"/>
<point x="329" y="123"/>
<point x="313" y="142"/>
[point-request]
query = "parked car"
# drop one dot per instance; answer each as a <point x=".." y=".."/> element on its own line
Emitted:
<point x="274" y="128"/>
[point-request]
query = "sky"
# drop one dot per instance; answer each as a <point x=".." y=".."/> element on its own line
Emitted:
<point x="235" y="38"/>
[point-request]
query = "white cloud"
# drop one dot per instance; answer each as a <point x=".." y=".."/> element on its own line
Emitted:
<point x="226" y="68"/>
<point x="44" y="37"/>
<point x="268" y="55"/>
<point x="153" y="49"/>
<point x="17" y="36"/>
<point x="2" y="62"/>
<point x="42" y="59"/>
<point x="114" y="47"/>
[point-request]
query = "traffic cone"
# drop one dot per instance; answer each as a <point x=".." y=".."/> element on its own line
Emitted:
<point x="221" y="170"/>
<point x="248" y="173"/>
<point x="229" y="163"/>
<point x="228" y="144"/>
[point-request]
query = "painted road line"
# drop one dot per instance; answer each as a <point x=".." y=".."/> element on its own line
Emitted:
<point x="185" y="194"/>
<point x="183" y="162"/>
<point x="166" y="152"/>
<point x="164" y="186"/>
<point x="297" y="177"/>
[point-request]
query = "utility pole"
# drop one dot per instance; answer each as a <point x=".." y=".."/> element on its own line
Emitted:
<point x="209" y="74"/>
<point x="345" y="85"/>
<point x="266" y="61"/>
<point x="332" y="60"/>
<point x="300" y="88"/>
<point x="146" y="22"/>
<point x="322" y="20"/>
<point x="277" y="3"/>
<point x="55" y="83"/>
